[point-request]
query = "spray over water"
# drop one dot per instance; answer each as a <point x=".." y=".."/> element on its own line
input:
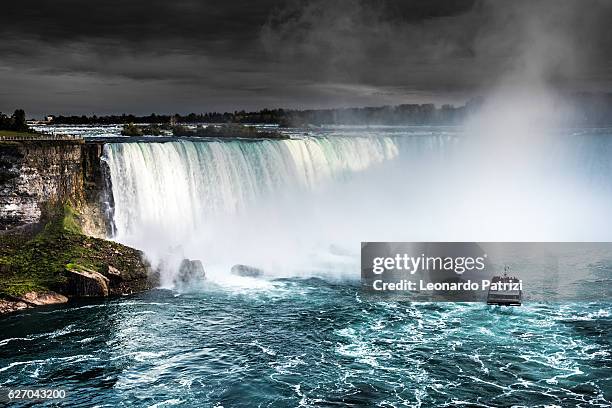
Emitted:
<point x="301" y="207"/>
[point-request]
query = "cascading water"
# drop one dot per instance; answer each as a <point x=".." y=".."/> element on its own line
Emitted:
<point x="184" y="197"/>
<point x="302" y="206"/>
<point x="180" y="184"/>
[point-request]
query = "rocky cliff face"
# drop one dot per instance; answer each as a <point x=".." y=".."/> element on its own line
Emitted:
<point x="97" y="204"/>
<point x="36" y="176"/>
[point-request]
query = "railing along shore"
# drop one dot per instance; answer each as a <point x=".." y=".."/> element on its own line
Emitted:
<point x="39" y="137"/>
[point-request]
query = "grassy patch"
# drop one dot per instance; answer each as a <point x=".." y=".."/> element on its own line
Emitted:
<point x="70" y="223"/>
<point x="12" y="133"/>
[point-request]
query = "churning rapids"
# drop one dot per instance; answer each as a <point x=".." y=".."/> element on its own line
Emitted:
<point x="305" y="335"/>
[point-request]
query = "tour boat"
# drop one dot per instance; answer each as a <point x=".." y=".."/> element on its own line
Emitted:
<point x="510" y="294"/>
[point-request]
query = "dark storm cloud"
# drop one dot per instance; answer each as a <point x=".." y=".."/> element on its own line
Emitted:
<point x="142" y="56"/>
<point x="135" y="21"/>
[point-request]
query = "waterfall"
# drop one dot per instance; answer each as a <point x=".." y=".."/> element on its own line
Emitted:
<point x="170" y="194"/>
<point x="307" y="203"/>
<point x="181" y="184"/>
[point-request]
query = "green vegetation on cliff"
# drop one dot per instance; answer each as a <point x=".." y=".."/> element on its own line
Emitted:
<point x="37" y="263"/>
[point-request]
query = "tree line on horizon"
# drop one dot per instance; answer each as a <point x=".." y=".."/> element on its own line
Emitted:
<point x="406" y="114"/>
<point x="590" y="110"/>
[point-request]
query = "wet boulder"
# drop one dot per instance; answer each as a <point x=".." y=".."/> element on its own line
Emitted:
<point x="246" y="271"/>
<point x="42" y="298"/>
<point x="191" y="273"/>
<point x="85" y="282"/>
<point x="10" y="306"/>
<point x="138" y="278"/>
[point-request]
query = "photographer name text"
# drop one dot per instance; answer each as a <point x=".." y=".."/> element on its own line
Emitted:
<point x="423" y="286"/>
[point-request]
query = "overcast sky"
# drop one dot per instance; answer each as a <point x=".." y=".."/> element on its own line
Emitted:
<point x="143" y="56"/>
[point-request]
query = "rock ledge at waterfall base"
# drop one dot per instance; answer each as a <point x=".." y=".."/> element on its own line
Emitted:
<point x="59" y="263"/>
